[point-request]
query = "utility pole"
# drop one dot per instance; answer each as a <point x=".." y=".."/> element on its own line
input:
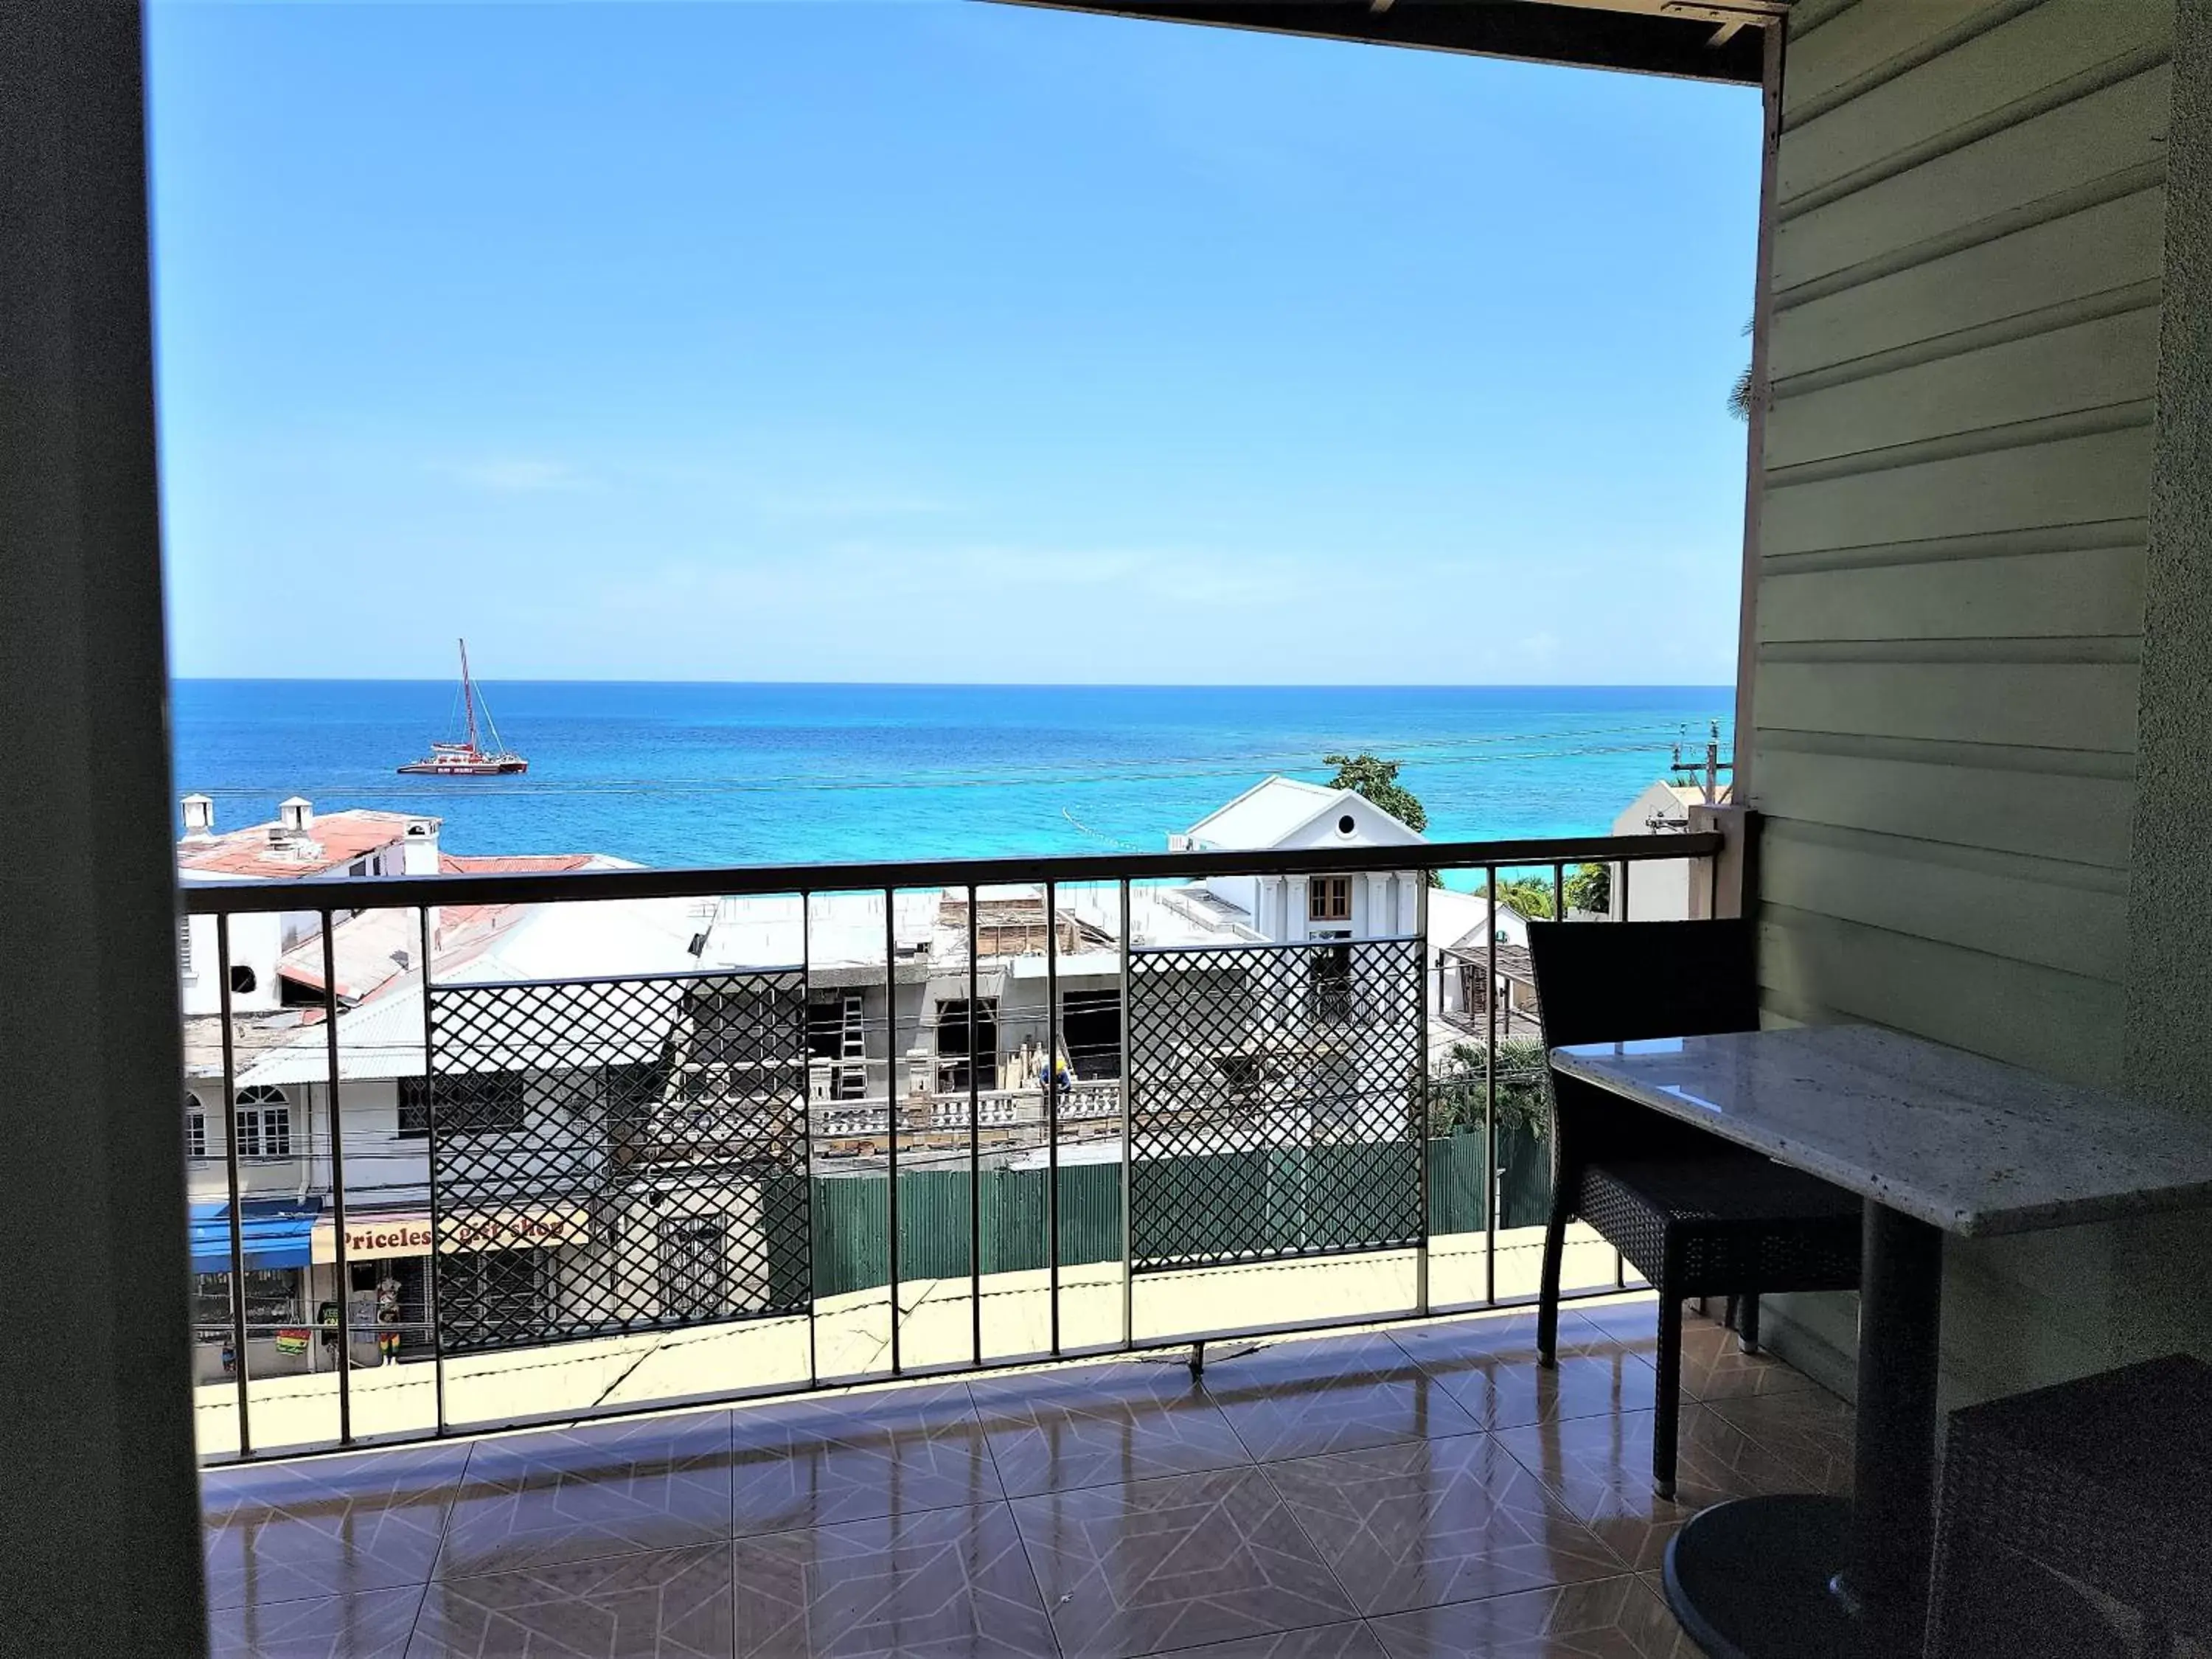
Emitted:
<point x="1707" y="776"/>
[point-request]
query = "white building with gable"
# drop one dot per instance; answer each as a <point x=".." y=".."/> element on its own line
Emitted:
<point x="1281" y="814"/>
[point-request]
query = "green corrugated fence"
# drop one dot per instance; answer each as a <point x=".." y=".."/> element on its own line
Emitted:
<point x="1271" y="1200"/>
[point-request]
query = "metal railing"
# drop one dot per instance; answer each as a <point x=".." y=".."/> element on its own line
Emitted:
<point x="637" y="1157"/>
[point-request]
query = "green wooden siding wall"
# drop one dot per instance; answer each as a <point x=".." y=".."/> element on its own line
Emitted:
<point x="1968" y="251"/>
<point x="1963" y="355"/>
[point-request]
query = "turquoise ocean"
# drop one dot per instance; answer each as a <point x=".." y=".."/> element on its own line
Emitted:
<point x="701" y="773"/>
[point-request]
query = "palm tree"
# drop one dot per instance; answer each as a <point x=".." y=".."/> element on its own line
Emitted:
<point x="1741" y="394"/>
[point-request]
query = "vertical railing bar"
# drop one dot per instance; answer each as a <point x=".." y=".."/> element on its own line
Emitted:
<point x="1421" y="1085"/>
<point x="806" y="1047"/>
<point x="230" y="1165"/>
<point x="437" y="1214"/>
<point x="1713" y="888"/>
<point x="891" y="1112"/>
<point x="1558" y="902"/>
<point x="975" y="1134"/>
<point x="1129" y="1086"/>
<point x="342" y="1267"/>
<point x="1051" y="1098"/>
<point x="1619" y="1267"/>
<point x="1492" y="1185"/>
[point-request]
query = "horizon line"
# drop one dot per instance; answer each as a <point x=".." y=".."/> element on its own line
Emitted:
<point x="996" y="685"/>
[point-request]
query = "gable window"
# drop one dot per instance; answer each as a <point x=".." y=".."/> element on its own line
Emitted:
<point x="195" y="1141"/>
<point x="264" y="1123"/>
<point x="1328" y="898"/>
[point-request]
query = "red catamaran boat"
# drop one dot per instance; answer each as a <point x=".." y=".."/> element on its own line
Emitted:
<point x="467" y="758"/>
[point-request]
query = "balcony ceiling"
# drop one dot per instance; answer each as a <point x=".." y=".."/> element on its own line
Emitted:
<point x="1698" y="40"/>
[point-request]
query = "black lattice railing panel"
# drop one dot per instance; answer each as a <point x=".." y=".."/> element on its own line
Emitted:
<point x="616" y="1155"/>
<point x="1274" y="1101"/>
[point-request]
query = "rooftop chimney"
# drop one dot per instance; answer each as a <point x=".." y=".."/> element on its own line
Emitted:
<point x="419" y="849"/>
<point x="199" y="817"/>
<point x="293" y="832"/>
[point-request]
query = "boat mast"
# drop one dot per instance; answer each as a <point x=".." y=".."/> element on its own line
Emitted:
<point x="468" y="694"/>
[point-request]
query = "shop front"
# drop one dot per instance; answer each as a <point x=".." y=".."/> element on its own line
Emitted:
<point x="275" y="1236"/>
<point x="495" y="1267"/>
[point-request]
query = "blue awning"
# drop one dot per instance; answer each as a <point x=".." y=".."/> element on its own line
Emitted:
<point x="275" y="1232"/>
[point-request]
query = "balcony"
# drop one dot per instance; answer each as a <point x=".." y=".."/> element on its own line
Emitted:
<point x="635" y="1180"/>
<point x="575" y="1225"/>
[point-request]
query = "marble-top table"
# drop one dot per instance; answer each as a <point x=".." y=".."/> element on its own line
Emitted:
<point x="1936" y="1141"/>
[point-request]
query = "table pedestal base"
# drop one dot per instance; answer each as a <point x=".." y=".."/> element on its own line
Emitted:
<point x="1750" y="1579"/>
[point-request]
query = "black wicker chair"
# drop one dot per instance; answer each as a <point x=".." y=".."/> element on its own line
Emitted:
<point x="2095" y="1492"/>
<point x="1697" y="1215"/>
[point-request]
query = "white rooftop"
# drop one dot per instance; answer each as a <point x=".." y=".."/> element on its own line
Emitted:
<point x="1263" y="814"/>
<point x="1287" y="812"/>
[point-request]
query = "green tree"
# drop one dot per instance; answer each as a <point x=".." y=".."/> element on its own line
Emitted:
<point x="1529" y="896"/>
<point x="1590" y="889"/>
<point x="1377" y="779"/>
<point x="1458" y="1088"/>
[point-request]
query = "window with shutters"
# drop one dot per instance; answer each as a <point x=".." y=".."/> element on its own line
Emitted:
<point x="1328" y="898"/>
<point x="264" y="1123"/>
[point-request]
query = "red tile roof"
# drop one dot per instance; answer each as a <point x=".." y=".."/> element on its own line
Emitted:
<point x="453" y="917"/>
<point x="510" y="863"/>
<point x="338" y="838"/>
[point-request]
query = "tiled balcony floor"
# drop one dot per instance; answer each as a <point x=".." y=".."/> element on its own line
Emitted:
<point x="1424" y="1490"/>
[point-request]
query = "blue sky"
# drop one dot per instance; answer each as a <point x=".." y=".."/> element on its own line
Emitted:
<point x="937" y="342"/>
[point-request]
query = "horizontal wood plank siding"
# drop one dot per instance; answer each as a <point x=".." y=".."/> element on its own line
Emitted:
<point x="2029" y="705"/>
<point x="1832" y="52"/>
<point x="2036" y="169"/>
<point x="2022" y="1011"/>
<point x="1977" y="84"/>
<point x="2105" y="256"/>
<point x="1962" y="363"/>
<point x="2069" y="593"/>
<point x="2092" y="478"/>
<point x="1944" y="796"/>
<point x="2102" y="363"/>
<point x="2071" y="917"/>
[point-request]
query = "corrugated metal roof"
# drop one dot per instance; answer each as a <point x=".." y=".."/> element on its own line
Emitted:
<point x="383" y="1037"/>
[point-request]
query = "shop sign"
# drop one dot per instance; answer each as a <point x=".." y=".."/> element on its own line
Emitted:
<point x="371" y="1238"/>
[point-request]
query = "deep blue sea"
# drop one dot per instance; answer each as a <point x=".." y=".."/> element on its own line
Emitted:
<point x="688" y="774"/>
